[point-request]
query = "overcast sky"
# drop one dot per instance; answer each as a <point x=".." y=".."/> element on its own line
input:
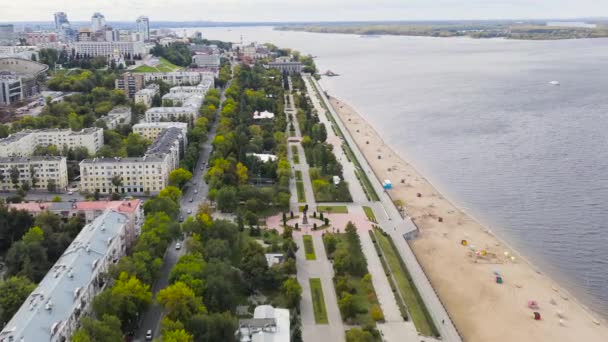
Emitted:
<point x="300" y="10"/>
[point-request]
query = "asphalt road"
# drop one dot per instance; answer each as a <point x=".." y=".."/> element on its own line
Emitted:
<point x="194" y="193"/>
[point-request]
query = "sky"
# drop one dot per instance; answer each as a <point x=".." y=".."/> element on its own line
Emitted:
<point x="300" y="10"/>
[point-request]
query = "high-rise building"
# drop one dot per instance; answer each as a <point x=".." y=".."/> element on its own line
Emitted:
<point x="98" y="21"/>
<point x="143" y="27"/>
<point x="61" y="18"/>
<point x="7" y="32"/>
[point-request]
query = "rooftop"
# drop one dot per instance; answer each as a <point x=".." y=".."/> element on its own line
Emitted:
<point x="7" y="160"/>
<point x="20" y="135"/>
<point x="56" y="297"/>
<point x="165" y="140"/>
<point x="263" y="115"/>
<point x="127" y="206"/>
<point x="118" y="160"/>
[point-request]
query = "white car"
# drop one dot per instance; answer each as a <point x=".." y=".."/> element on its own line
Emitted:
<point x="178" y="246"/>
<point x="149" y="335"/>
<point x="70" y="192"/>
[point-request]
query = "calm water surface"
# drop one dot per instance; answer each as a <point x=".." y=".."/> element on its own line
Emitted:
<point x="480" y="120"/>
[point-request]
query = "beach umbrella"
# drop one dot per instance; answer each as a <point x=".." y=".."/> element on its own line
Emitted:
<point x="536" y="316"/>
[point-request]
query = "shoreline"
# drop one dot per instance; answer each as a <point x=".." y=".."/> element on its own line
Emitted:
<point x="470" y="315"/>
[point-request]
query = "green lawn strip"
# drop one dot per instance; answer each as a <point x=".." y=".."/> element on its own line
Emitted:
<point x="164" y="63"/>
<point x="145" y="68"/>
<point x="416" y="307"/>
<point x="301" y="193"/>
<point x="298" y="175"/>
<point x="309" y="247"/>
<point x="295" y="155"/>
<point x="360" y="287"/>
<point x="318" y="301"/>
<point x="369" y="212"/>
<point x="333" y="209"/>
<point x="391" y="282"/>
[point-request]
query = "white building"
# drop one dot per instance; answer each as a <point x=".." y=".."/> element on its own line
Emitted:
<point x="267" y="325"/>
<point x="265" y="115"/>
<point x="286" y="65"/>
<point x="141" y="175"/>
<point x="109" y="49"/>
<point x="143" y="27"/>
<point x="25" y="142"/>
<point x="206" y="60"/>
<point x="151" y="130"/>
<point x="43" y="170"/>
<point x="98" y="21"/>
<point x="177" y="77"/>
<point x="147" y="94"/>
<point x="185" y="114"/>
<point x="53" y="310"/>
<point x="119" y="115"/>
<point x="147" y="174"/>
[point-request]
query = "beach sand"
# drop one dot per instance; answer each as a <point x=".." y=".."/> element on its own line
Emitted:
<point x="481" y="309"/>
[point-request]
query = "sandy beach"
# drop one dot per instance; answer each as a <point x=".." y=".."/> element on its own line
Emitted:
<point x="465" y="276"/>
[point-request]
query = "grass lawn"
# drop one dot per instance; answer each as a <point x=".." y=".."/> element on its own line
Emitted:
<point x="296" y="159"/>
<point x="299" y="175"/>
<point x="301" y="193"/>
<point x="163" y="66"/>
<point x="417" y="310"/>
<point x="318" y="301"/>
<point x="333" y="209"/>
<point x="309" y="247"/>
<point x="370" y="214"/>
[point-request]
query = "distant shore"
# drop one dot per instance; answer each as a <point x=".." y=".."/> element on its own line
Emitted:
<point x="477" y="30"/>
<point x="465" y="276"/>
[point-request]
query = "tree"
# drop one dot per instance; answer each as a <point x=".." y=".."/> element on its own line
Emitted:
<point x="292" y="291"/>
<point x="13" y="292"/>
<point x="179" y="177"/>
<point x="177" y="336"/>
<point x="223" y="286"/>
<point x="51" y="186"/>
<point x="136" y="145"/>
<point x="226" y="199"/>
<point x="180" y="301"/>
<point x="14" y="174"/>
<point x="190" y="270"/>
<point x="125" y="299"/>
<point x="105" y="330"/>
<point x="171" y="192"/>
<point x="359" y="335"/>
<point x="241" y="173"/>
<point x="116" y="181"/>
<point x="213" y="327"/>
<point x="28" y="257"/>
<point x="347" y="306"/>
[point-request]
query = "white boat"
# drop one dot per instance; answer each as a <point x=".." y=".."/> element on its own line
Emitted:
<point x="555" y="83"/>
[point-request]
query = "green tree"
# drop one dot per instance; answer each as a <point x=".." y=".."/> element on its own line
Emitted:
<point x="179" y="177"/>
<point x="359" y="335"/>
<point x="136" y="145"/>
<point x="226" y="199"/>
<point x="213" y="327"/>
<point x="180" y="301"/>
<point x="171" y="192"/>
<point x="347" y="305"/>
<point x="51" y="186"/>
<point x="105" y="330"/>
<point x="125" y="299"/>
<point x="292" y="291"/>
<point x="190" y="270"/>
<point x="13" y="292"/>
<point x="177" y="336"/>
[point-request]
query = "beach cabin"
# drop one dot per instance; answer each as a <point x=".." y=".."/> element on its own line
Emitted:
<point x="387" y="185"/>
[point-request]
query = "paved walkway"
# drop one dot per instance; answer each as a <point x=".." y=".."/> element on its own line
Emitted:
<point x="391" y="221"/>
<point x="320" y="268"/>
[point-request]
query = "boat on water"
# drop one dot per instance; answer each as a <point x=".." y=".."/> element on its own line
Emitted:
<point x="555" y="83"/>
<point x="330" y="73"/>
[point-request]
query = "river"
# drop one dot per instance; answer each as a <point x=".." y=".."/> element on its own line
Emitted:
<point x="480" y="120"/>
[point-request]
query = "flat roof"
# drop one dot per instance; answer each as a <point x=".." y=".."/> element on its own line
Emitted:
<point x="57" y="296"/>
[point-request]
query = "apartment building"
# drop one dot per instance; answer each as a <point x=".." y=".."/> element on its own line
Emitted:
<point x="183" y="114"/>
<point x="119" y="115"/>
<point x="24" y="142"/>
<point x="151" y="130"/>
<point x="53" y="310"/>
<point x="11" y="88"/>
<point x="130" y="83"/>
<point x="38" y="172"/>
<point x="287" y="66"/>
<point x="109" y="49"/>
<point x="206" y="60"/>
<point x="138" y="175"/>
<point x="147" y="94"/>
<point x="177" y="77"/>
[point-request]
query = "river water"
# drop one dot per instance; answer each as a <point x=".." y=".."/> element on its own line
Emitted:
<point x="480" y="120"/>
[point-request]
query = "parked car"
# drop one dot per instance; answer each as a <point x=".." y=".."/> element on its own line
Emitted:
<point x="178" y="246"/>
<point x="149" y="335"/>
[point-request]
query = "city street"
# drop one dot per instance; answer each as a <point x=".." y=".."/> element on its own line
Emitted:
<point x="196" y="190"/>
